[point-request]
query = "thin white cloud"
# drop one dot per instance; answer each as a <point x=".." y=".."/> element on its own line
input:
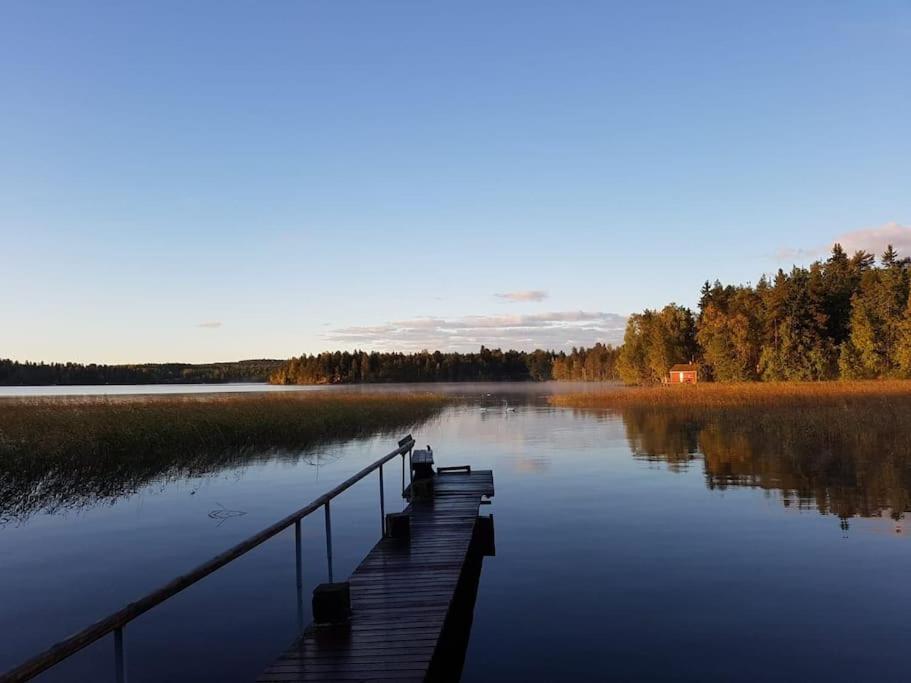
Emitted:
<point x="873" y="240"/>
<point x="799" y="254"/>
<point x="528" y="295"/>
<point x="556" y="330"/>
<point x="212" y="324"/>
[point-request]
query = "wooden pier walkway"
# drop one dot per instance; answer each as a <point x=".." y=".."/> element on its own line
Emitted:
<point x="401" y="596"/>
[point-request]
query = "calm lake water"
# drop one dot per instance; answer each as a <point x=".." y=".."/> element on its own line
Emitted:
<point x="628" y="547"/>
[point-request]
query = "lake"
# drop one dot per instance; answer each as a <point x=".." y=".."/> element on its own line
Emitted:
<point x="629" y="546"/>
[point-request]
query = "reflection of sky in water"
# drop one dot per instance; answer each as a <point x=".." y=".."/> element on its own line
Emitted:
<point x="603" y="559"/>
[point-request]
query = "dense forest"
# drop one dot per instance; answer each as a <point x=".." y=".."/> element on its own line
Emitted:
<point x="488" y="365"/>
<point x="16" y="373"/>
<point x="842" y="317"/>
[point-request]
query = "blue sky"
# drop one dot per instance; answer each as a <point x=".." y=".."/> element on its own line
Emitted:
<point x="213" y="180"/>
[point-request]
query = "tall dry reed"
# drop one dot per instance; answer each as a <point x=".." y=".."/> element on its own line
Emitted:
<point x="61" y="452"/>
<point x="750" y="396"/>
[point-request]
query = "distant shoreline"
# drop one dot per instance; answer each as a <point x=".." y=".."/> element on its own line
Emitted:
<point x="23" y="374"/>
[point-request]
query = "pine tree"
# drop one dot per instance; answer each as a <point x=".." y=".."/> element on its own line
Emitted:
<point x="902" y="355"/>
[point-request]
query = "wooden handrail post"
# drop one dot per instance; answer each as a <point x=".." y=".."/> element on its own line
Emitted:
<point x="299" y="576"/>
<point x="329" y="540"/>
<point x="120" y="661"/>
<point x="382" y="506"/>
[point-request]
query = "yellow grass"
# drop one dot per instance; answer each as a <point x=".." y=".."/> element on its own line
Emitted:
<point x="711" y="397"/>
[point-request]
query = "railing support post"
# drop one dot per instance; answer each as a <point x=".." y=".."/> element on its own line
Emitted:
<point x="329" y="541"/>
<point x="299" y="576"/>
<point x="382" y="505"/>
<point x="403" y="474"/>
<point x="120" y="661"/>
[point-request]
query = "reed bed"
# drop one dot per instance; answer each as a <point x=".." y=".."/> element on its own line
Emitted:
<point x="64" y="452"/>
<point x="103" y="427"/>
<point x="708" y="398"/>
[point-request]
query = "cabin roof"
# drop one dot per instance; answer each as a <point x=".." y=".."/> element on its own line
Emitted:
<point x="684" y="367"/>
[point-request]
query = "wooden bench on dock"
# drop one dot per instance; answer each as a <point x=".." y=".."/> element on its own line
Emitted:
<point x="403" y="595"/>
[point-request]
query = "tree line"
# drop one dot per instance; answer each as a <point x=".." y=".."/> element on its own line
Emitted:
<point x="26" y="373"/>
<point x="597" y="363"/>
<point x="841" y="317"/>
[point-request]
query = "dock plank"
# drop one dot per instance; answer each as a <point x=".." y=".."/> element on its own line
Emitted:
<point x="401" y="594"/>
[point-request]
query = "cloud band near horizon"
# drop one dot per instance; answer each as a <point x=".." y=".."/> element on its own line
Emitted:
<point x="558" y="330"/>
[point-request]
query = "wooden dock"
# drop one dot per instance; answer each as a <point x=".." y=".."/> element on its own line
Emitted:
<point x="405" y="596"/>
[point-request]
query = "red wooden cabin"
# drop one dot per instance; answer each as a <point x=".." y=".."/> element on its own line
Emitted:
<point x="683" y="373"/>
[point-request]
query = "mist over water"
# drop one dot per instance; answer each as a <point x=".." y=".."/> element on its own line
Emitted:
<point x="629" y="545"/>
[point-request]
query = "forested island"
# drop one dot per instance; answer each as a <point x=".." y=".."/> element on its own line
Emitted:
<point x="598" y="363"/>
<point x="13" y="373"/>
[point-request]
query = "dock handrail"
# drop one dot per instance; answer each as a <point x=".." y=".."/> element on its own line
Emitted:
<point x="115" y="623"/>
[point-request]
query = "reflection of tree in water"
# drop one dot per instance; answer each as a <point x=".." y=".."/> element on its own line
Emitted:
<point x="658" y="436"/>
<point x="827" y="461"/>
